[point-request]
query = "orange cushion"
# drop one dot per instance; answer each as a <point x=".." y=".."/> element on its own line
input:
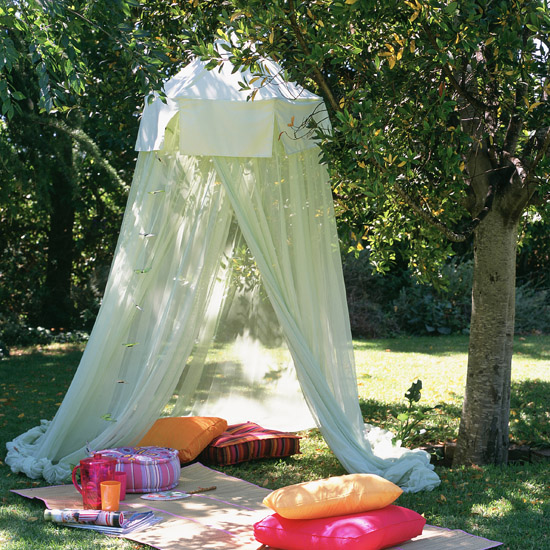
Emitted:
<point x="188" y="434"/>
<point x="334" y="496"/>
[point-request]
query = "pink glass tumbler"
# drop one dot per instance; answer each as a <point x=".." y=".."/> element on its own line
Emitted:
<point x="121" y="476"/>
<point x="93" y="471"/>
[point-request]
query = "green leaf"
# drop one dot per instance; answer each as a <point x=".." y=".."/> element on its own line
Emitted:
<point x="451" y="7"/>
<point x="413" y="393"/>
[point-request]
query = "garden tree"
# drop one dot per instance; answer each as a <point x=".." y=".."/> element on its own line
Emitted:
<point x="441" y="134"/>
<point x="72" y="80"/>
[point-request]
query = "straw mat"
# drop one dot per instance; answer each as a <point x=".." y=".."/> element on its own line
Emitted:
<point x="222" y="519"/>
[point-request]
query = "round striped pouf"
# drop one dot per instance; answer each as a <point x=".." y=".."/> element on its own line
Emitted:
<point x="148" y="469"/>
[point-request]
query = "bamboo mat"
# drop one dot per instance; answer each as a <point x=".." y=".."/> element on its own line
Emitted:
<point x="223" y="519"/>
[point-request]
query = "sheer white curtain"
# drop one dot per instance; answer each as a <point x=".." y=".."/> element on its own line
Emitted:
<point x="173" y="233"/>
<point x="240" y="368"/>
<point x="283" y="205"/>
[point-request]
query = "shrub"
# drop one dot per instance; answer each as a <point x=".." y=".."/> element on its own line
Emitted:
<point x="369" y="295"/>
<point x="418" y="309"/>
<point x="15" y="332"/>
<point x="422" y="309"/>
<point x="4" y="351"/>
<point x="532" y="309"/>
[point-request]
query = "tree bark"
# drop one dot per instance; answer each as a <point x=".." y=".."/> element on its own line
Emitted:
<point x="483" y="433"/>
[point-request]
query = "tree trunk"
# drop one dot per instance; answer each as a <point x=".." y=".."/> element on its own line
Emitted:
<point x="483" y="433"/>
<point x="57" y="306"/>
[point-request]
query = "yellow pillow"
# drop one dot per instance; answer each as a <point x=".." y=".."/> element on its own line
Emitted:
<point x="334" y="496"/>
<point x="188" y="434"/>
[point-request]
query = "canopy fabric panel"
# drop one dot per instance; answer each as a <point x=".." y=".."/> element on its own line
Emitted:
<point x="178" y="276"/>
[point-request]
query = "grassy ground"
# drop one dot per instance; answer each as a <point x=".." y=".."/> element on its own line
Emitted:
<point x="509" y="504"/>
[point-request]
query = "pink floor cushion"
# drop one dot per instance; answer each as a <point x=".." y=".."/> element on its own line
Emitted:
<point x="372" y="530"/>
<point x="249" y="441"/>
<point x="148" y="469"/>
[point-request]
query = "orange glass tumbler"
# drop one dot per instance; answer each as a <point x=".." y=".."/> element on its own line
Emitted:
<point x="110" y="496"/>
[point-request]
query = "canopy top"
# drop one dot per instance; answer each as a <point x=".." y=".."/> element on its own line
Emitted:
<point x="223" y="84"/>
<point x="218" y="118"/>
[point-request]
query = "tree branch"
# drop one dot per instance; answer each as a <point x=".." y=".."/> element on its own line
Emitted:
<point x="477" y="104"/>
<point x="513" y="133"/>
<point x="415" y="207"/>
<point x="318" y="75"/>
<point x="453" y="236"/>
<point x="429" y="218"/>
<point x="518" y="164"/>
<point x="526" y="172"/>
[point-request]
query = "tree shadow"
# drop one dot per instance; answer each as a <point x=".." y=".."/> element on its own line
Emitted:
<point x="501" y="503"/>
<point x="534" y="346"/>
<point x="430" y="345"/>
<point x="529" y="416"/>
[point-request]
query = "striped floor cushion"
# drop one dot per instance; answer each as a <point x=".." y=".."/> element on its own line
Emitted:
<point x="248" y="441"/>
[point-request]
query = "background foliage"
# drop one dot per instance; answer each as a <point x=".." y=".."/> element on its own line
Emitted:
<point x="397" y="303"/>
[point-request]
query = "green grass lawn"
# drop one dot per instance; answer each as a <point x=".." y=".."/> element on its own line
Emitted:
<point x="509" y="504"/>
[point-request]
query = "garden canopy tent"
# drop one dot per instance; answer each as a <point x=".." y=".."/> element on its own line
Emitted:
<point x="226" y="286"/>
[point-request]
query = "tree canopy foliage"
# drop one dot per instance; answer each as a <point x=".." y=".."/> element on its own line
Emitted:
<point x="400" y="80"/>
<point x="441" y="131"/>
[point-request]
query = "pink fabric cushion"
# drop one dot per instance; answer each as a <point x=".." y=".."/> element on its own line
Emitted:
<point x="248" y="441"/>
<point x="148" y="469"/>
<point x="372" y="530"/>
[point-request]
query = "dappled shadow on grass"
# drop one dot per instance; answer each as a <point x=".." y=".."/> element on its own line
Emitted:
<point x="440" y="422"/>
<point x="32" y="387"/>
<point x="530" y="413"/>
<point x="56" y="350"/>
<point x="534" y="346"/>
<point x="23" y="528"/>
<point x="429" y="345"/>
<point x="508" y="504"/>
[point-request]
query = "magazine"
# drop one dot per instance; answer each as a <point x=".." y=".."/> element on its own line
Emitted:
<point x="130" y="522"/>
